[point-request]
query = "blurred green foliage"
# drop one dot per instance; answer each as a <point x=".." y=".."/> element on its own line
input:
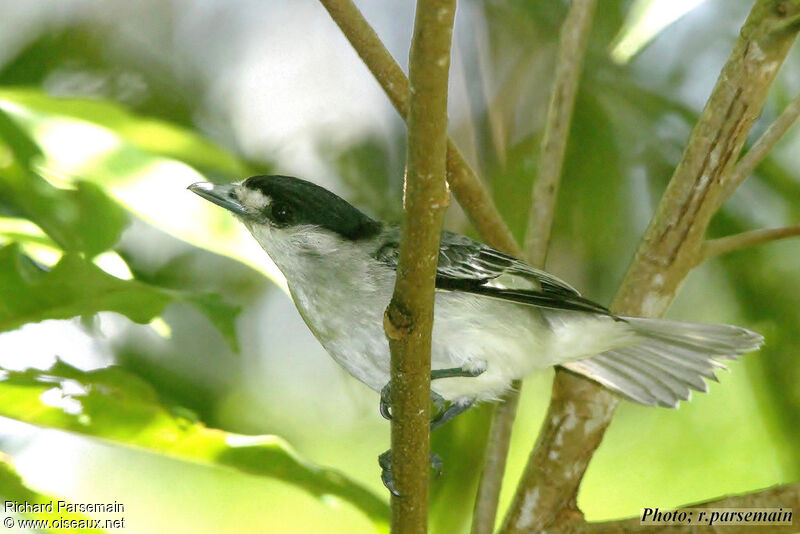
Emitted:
<point x="73" y="287"/>
<point x="98" y="141"/>
<point x="147" y="134"/>
<point x="14" y="489"/>
<point x="111" y="404"/>
<point x="117" y="406"/>
<point x="69" y="217"/>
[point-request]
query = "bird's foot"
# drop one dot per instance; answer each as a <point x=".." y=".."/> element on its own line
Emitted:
<point x="438" y="401"/>
<point x="457" y="407"/>
<point x="386" y="400"/>
<point x="387" y="477"/>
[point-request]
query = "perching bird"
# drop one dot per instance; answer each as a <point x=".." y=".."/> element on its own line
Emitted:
<point x="496" y="319"/>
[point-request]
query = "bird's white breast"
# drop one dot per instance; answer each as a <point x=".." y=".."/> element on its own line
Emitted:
<point x="343" y="306"/>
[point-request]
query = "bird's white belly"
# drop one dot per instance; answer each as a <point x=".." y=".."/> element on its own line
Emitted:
<point x="469" y="331"/>
<point x="350" y="330"/>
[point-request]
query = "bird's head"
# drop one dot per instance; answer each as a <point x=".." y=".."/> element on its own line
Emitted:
<point x="289" y="216"/>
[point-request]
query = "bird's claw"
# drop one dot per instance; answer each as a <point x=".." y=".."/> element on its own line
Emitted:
<point x="439" y="403"/>
<point x="442" y="412"/>
<point x="385" y="461"/>
<point x="386" y="402"/>
<point x="387" y="477"/>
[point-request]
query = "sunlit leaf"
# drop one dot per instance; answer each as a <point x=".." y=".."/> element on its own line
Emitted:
<point x="148" y="134"/>
<point x="115" y="405"/>
<point x="118" y="153"/>
<point x="82" y="218"/>
<point x="17" y="229"/>
<point x="76" y="286"/>
<point x="13" y="488"/>
<point x="646" y="19"/>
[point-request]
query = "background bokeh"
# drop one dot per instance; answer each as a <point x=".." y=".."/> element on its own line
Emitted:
<point x="108" y="110"/>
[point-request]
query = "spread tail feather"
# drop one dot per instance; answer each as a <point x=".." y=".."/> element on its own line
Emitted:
<point x="671" y="360"/>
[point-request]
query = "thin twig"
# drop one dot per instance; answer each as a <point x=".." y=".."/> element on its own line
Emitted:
<point x="487" y="500"/>
<point x="572" y="49"/>
<point x="467" y="188"/>
<point x="581" y="410"/>
<point x="732" y="243"/>
<point x="409" y="318"/>
<point x="761" y="148"/>
<point x="786" y="497"/>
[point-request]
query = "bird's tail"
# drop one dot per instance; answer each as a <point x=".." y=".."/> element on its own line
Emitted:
<point x="672" y="358"/>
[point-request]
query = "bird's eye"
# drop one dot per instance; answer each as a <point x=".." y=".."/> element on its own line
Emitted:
<point x="281" y="213"/>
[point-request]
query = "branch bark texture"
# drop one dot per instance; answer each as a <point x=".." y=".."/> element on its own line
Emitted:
<point x="580" y="411"/>
<point x="409" y="317"/>
<point x="573" y="40"/>
<point x="466" y="186"/>
<point x="787" y="497"/>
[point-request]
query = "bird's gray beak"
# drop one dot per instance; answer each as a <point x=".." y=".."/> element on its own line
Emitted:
<point x="221" y="195"/>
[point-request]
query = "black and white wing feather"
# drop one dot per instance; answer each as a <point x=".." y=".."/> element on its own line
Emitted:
<point x="471" y="267"/>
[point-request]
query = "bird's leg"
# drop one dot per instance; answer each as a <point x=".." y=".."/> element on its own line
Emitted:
<point x="442" y="414"/>
<point x="456" y="408"/>
<point x="450" y="372"/>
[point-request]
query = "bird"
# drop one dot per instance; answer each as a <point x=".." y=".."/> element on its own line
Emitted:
<point x="496" y="318"/>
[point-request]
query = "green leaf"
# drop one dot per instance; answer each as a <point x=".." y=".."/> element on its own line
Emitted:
<point x="141" y="162"/>
<point x="13" y="488"/>
<point x="75" y="286"/>
<point x="115" y="405"/>
<point x="82" y="219"/>
<point x="219" y="312"/>
<point x="645" y="20"/>
<point x="147" y="134"/>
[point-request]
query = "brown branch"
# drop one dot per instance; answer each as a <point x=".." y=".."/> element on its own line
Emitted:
<point x="467" y="188"/>
<point x="786" y="497"/>
<point x="572" y="49"/>
<point x="732" y="243"/>
<point x="409" y="318"/>
<point x="484" y="513"/>
<point x="581" y="410"/>
<point x="761" y="148"/>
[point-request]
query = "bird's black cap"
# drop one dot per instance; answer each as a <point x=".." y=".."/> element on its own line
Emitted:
<point x="302" y="202"/>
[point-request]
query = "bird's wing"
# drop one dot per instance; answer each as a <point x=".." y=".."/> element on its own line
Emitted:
<point x="471" y="267"/>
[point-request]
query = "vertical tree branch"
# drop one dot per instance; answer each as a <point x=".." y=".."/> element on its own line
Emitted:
<point x="572" y="49"/>
<point x="484" y="513"/>
<point x="466" y="186"/>
<point x="580" y="410"/>
<point x="409" y="318"/>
